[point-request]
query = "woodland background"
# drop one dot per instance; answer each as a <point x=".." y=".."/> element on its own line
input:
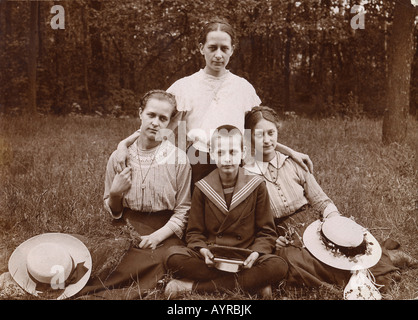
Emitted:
<point x="68" y="96"/>
<point x="301" y="56"/>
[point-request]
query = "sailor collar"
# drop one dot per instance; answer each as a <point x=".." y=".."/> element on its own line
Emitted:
<point x="211" y="186"/>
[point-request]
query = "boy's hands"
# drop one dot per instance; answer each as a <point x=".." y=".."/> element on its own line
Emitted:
<point x="248" y="263"/>
<point x="208" y="256"/>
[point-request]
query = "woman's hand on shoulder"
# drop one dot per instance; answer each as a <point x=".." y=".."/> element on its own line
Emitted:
<point x="303" y="160"/>
<point x="121" y="155"/>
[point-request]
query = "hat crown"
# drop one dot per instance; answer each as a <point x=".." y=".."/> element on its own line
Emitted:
<point x="343" y="231"/>
<point x="313" y="238"/>
<point x="47" y="262"/>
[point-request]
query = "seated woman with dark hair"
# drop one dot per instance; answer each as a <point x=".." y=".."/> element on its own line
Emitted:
<point x="152" y="194"/>
<point x="296" y="200"/>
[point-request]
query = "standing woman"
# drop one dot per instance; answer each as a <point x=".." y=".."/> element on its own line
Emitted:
<point x="152" y="194"/>
<point x="210" y="98"/>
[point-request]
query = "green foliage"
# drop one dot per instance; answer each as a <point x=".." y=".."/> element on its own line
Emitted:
<point x="137" y="45"/>
<point x="123" y="102"/>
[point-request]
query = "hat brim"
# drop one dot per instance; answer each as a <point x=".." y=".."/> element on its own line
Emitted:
<point x="317" y="248"/>
<point x="76" y="248"/>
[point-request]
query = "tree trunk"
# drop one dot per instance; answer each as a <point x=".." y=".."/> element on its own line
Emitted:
<point x="413" y="107"/>
<point x="286" y="70"/>
<point x="85" y="59"/>
<point x="33" y="55"/>
<point x="121" y="64"/>
<point x="400" y="57"/>
<point x="5" y="31"/>
<point x="98" y="73"/>
<point x="58" y="85"/>
<point x="132" y="81"/>
<point x="320" y="76"/>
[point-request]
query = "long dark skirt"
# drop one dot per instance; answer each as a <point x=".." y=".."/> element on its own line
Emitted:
<point x="305" y="269"/>
<point x="140" y="269"/>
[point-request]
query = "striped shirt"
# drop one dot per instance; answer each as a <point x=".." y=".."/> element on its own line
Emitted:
<point x="161" y="179"/>
<point x="293" y="188"/>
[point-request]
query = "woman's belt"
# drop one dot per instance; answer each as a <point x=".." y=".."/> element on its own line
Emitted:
<point x="282" y="219"/>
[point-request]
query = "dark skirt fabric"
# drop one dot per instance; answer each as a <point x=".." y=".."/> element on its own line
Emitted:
<point x="189" y="264"/>
<point x="305" y="269"/>
<point x="139" y="270"/>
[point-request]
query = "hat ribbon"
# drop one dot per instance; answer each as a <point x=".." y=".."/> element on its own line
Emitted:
<point x="346" y="251"/>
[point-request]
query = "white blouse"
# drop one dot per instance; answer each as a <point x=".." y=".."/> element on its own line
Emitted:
<point x="211" y="102"/>
<point x="161" y="179"/>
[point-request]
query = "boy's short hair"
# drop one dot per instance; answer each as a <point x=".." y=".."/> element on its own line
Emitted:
<point x="226" y="131"/>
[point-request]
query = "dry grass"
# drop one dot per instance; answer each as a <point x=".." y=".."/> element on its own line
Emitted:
<point x="52" y="170"/>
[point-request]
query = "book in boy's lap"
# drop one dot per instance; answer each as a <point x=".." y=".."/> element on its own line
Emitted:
<point x="229" y="258"/>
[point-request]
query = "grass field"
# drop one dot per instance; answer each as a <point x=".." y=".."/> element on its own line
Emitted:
<point x="52" y="179"/>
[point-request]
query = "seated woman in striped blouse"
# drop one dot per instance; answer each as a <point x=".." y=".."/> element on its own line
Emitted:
<point x="153" y="195"/>
<point x="296" y="200"/>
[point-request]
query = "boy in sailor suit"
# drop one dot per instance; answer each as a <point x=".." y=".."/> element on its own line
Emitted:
<point x="231" y="208"/>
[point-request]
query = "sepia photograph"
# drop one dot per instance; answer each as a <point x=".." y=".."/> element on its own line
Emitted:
<point x="211" y="155"/>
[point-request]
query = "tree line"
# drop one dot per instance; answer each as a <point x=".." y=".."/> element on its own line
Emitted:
<point x="313" y="57"/>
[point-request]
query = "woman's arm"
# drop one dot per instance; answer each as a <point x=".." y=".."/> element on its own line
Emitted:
<point x="178" y="220"/>
<point x="122" y="151"/>
<point x="300" y="158"/>
<point x="316" y="196"/>
<point x="154" y="239"/>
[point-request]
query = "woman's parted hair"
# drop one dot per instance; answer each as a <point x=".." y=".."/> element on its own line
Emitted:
<point x="258" y="113"/>
<point x="159" y="95"/>
<point x="215" y="25"/>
